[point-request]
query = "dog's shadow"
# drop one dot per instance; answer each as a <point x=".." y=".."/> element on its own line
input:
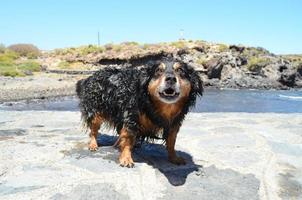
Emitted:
<point x="156" y="156"/>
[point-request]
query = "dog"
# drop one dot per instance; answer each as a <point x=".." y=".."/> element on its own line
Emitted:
<point x="139" y="103"/>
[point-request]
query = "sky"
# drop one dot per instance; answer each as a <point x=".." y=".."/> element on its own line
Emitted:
<point x="273" y="24"/>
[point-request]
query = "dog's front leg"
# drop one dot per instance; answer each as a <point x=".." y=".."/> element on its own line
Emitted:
<point x="126" y="143"/>
<point x="171" y="139"/>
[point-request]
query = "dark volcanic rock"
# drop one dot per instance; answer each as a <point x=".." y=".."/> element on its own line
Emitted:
<point x="291" y="77"/>
<point x="237" y="48"/>
<point x="288" y="78"/>
<point x="233" y="66"/>
<point x="214" y="68"/>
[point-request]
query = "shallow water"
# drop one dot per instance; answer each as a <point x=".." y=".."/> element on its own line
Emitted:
<point x="252" y="101"/>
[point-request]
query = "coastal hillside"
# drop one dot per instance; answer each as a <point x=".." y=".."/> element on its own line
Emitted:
<point x="220" y="65"/>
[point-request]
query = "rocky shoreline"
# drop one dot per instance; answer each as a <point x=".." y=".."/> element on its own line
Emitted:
<point x="36" y="87"/>
<point x="45" y="86"/>
<point x="220" y="66"/>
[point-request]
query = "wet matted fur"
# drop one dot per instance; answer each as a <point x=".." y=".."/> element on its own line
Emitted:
<point x="140" y="103"/>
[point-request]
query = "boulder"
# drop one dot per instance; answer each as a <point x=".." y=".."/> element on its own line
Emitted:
<point x="290" y="77"/>
<point x="214" y="67"/>
<point x="240" y="49"/>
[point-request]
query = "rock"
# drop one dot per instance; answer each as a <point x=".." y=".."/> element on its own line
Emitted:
<point x="229" y="156"/>
<point x="240" y="49"/>
<point x="214" y="83"/>
<point x="199" y="48"/>
<point x="272" y="71"/>
<point x="214" y="67"/>
<point x="28" y="72"/>
<point x="229" y="72"/>
<point x="241" y="60"/>
<point x="228" y="61"/>
<point x="288" y="78"/>
<point x="299" y="69"/>
<point x="43" y="67"/>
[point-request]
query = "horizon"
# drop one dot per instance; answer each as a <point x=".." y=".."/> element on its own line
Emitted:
<point x="273" y="25"/>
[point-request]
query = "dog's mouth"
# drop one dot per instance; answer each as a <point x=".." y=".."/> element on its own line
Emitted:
<point x="169" y="94"/>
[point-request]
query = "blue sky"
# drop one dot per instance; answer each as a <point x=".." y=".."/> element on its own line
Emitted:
<point x="273" y="24"/>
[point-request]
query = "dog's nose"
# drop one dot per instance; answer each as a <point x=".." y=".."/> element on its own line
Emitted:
<point x="170" y="78"/>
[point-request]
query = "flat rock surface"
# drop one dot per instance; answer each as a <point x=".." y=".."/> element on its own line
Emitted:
<point x="229" y="156"/>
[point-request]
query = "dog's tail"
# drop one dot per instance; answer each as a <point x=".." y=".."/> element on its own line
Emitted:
<point x="79" y="92"/>
<point x="79" y="87"/>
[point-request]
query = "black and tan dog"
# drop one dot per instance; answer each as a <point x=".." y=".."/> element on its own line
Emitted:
<point x="139" y="103"/>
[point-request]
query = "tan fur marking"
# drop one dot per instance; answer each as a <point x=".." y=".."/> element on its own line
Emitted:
<point x="146" y="126"/>
<point x="95" y="126"/>
<point x="162" y="66"/>
<point x="169" y="111"/>
<point x="176" y="66"/>
<point x="126" y="144"/>
<point x="171" y="147"/>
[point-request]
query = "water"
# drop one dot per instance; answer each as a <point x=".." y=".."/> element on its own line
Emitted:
<point x="252" y="101"/>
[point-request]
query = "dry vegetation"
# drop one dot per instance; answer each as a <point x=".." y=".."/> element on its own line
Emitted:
<point x="17" y="60"/>
<point x="21" y="59"/>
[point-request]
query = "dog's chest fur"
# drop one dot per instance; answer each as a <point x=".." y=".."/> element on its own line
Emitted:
<point x="147" y="127"/>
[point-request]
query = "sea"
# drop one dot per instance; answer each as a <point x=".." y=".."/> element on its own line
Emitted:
<point x="250" y="101"/>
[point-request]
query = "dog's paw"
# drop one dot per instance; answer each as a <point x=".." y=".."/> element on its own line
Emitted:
<point x="126" y="161"/>
<point x="93" y="146"/>
<point x="177" y="160"/>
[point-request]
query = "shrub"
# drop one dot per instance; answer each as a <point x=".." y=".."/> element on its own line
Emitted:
<point x="108" y="47"/>
<point x="8" y="67"/>
<point x="201" y="61"/>
<point x="82" y="50"/>
<point x="222" y="47"/>
<point x="64" y="65"/>
<point x="64" y="51"/>
<point x="254" y="52"/>
<point x="255" y="64"/>
<point x="146" y="46"/>
<point x="9" y="71"/>
<point x="29" y="66"/>
<point x="85" y="50"/>
<point x="27" y="50"/>
<point x="8" y="57"/>
<point x="117" y="48"/>
<point x="7" y="64"/>
<point x="179" y="44"/>
<point x="113" y="47"/>
<point x="131" y="43"/>
<point x="2" y="48"/>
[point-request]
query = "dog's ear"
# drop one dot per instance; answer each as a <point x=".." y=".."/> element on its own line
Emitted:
<point x="197" y="83"/>
<point x="146" y="72"/>
<point x="152" y="64"/>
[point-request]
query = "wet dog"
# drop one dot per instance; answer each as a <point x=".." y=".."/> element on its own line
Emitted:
<point x="146" y="102"/>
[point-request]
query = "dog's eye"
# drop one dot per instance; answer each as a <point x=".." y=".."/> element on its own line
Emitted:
<point x="159" y="71"/>
<point x="180" y="70"/>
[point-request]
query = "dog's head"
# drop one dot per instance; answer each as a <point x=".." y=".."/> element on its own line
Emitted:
<point x="173" y="80"/>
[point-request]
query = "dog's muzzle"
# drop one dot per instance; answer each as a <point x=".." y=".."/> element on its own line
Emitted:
<point x="169" y="93"/>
